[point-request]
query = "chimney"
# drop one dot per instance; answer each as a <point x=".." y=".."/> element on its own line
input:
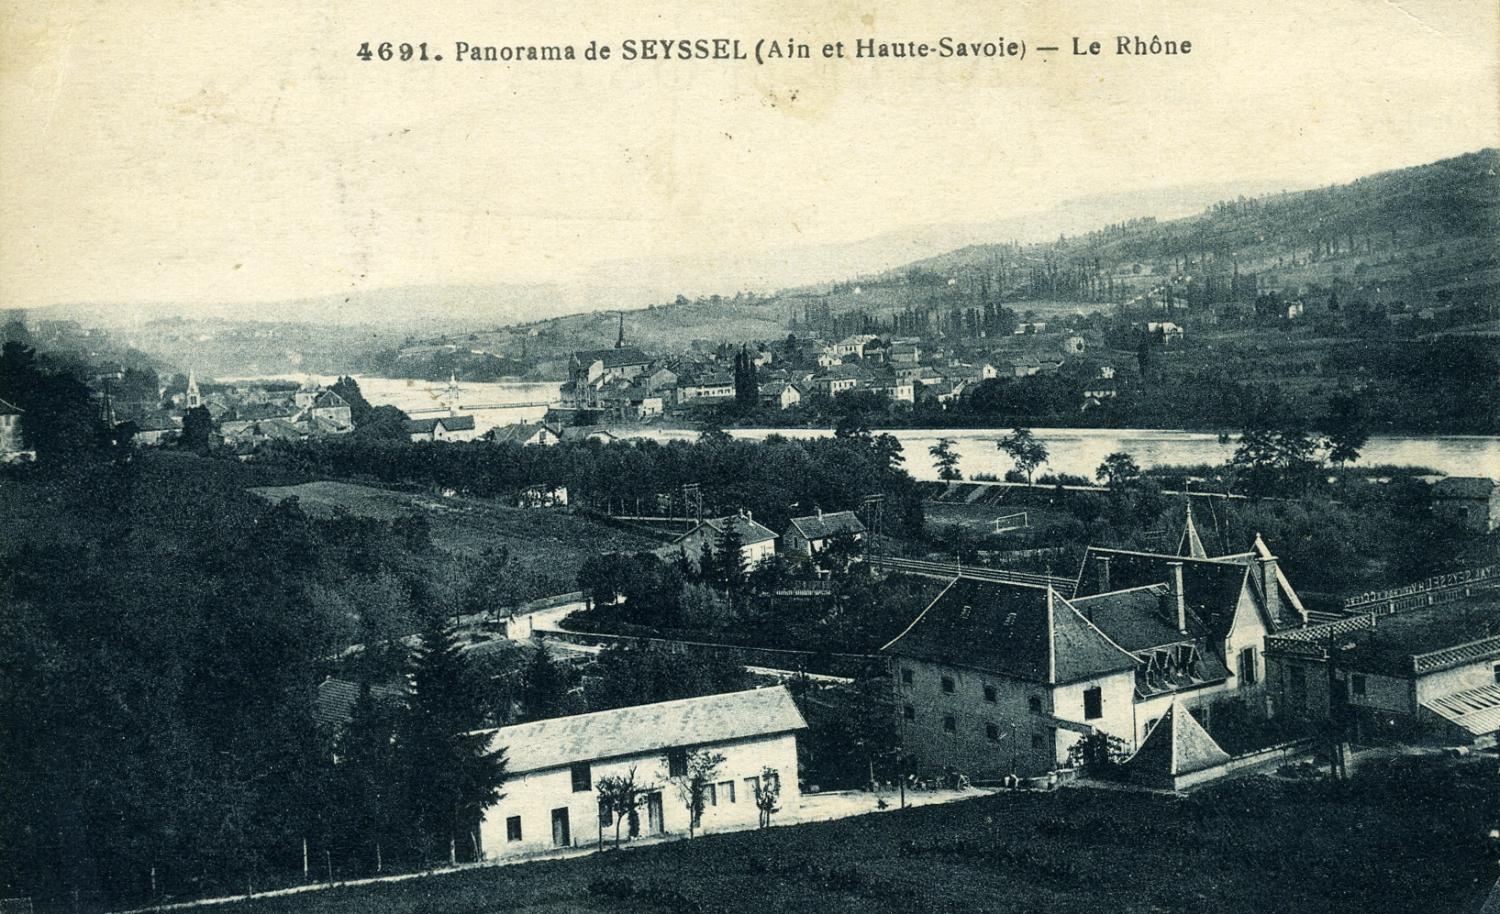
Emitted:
<point x="1268" y="578"/>
<point x="1176" y="598"/>
<point x="819" y="509"/>
<point x="1101" y="573"/>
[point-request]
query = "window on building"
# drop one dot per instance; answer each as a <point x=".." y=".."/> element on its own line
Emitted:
<point x="513" y="828"/>
<point x="950" y="724"/>
<point x="583" y="777"/>
<point x="909" y="712"/>
<point x="726" y="791"/>
<point x="752" y="786"/>
<point x="1247" y="666"/>
<point x="677" y="763"/>
<point x="906" y="676"/>
<point x="710" y="795"/>
<point x="992" y="733"/>
<point x="1035" y="704"/>
<point x="1497" y="672"/>
<point x="948" y="684"/>
<point x="1357" y="683"/>
<point x="989" y="694"/>
<point x="1038" y="741"/>
<point x="1093" y="703"/>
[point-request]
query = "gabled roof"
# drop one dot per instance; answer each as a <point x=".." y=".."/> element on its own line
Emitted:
<point x="1212" y="586"/>
<point x="329" y="400"/>
<point x="751" y="532"/>
<point x="517" y="432"/>
<point x="821" y="526"/>
<point x="450" y="423"/>
<point x="1014" y="630"/>
<point x="703" y="721"/>
<point x="1135" y="620"/>
<point x="1177" y="745"/>
<point x="10" y="409"/>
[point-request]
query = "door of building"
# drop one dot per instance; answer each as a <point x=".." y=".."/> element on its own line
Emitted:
<point x="653" y="813"/>
<point x="560" y="834"/>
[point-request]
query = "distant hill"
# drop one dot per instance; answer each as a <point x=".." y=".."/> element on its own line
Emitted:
<point x="1423" y="233"/>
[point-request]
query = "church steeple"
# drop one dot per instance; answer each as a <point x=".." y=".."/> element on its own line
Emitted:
<point x="1191" y="545"/>
<point x="194" y="398"/>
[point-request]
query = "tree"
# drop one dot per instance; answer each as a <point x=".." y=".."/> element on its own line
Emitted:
<point x="1275" y="459"/>
<point x="1143" y="355"/>
<point x="1346" y="428"/>
<point x="946" y="460"/>
<point x="1118" y="469"/>
<point x="620" y="797"/>
<point x="768" y="794"/>
<point x="197" y="430"/>
<point x="729" y="555"/>
<point x="359" y="407"/>
<point x="1023" y="448"/>
<point x="452" y="774"/>
<point x="1098" y="753"/>
<point x="545" y="687"/>
<point x="746" y="386"/>
<point x="693" y="785"/>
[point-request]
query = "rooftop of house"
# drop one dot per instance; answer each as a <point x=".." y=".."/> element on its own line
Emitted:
<point x="449" y="423"/>
<point x="751" y="531"/>
<point x="821" y="526"/>
<point x="612" y="358"/>
<point x="516" y="432"/>
<point x="1015" y="630"/>
<point x="328" y="399"/>
<point x="1213" y="585"/>
<point x="336" y="699"/>
<point x="1450" y="634"/>
<point x="643" y="729"/>
<point x="9" y="409"/>
<point x="1177" y="745"/>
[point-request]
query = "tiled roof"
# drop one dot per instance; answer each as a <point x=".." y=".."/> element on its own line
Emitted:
<point x="822" y="526"/>
<point x="1135" y="618"/>
<point x="1177" y="745"/>
<point x="451" y="423"/>
<point x="1014" y="630"/>
<point x="1212" y="586"/>
<point x="752" y="532"/>
<point x="329" y="400"/>
<point x="708" y="720"/>
<point x="516" y="431"/>
<point x="336" y="698"/>
<point x="1475" y="710"/>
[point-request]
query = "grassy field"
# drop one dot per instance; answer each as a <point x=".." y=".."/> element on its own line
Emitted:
<point x="545" y="546"/>
<point x="1383" y="845"/>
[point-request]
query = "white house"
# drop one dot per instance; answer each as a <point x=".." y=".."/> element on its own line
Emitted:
<point x="780" y="394"/>
<point x="757" y="543"/>
<point x="811" y="534"/>
<point x="443" y="428"/>
<point x="554" y="766"/>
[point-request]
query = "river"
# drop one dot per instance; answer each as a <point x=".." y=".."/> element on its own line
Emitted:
<point x="1077" y="451"/>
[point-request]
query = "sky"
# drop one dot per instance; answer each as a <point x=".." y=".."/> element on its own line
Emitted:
<point x="159" y="151"/>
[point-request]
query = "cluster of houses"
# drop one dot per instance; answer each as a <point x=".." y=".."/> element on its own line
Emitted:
<point x="804" y="539"/>
<point x="997" y="679"/>
<point x="1000" y="680"/>
<point x="629" y="384"/>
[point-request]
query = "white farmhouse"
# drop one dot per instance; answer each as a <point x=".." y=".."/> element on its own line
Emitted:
<point x="757" y="543"/>
<point x="554" y="766"/>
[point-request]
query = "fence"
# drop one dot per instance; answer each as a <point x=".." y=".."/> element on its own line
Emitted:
<point x="1427" y="592"/>
<point x="743" y="655"/>
<point x="1063" y="586"/>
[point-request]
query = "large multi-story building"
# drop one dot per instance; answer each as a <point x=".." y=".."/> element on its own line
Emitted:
<point x="553" y="768"/>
